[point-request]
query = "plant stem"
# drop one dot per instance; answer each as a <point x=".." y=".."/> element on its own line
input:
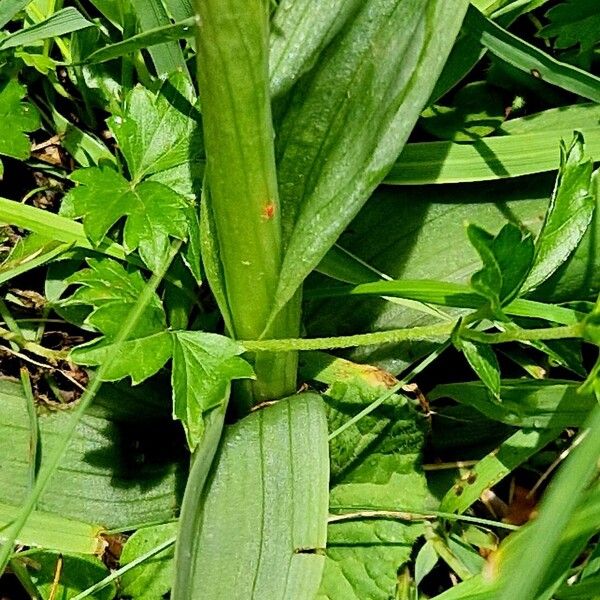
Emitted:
<point x="243" y="203"/>
<point x="428" y="332"/>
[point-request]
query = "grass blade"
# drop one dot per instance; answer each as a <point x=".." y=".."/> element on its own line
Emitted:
<point x="167" y="57"/>
<point x="146" y="39"/>
<point x="529" y="59"/>
<point x="61" y="22"/>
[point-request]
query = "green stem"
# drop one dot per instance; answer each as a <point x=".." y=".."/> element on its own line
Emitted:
<point x="394" y="336"/>
<point x="243" y="202"/>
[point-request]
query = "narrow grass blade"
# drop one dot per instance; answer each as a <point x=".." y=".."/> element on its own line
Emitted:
<point x="260" y="525"/>
<point x="147" y="39"/>
<point x="495" y="467"/>
<point x="167" y="57"/>
<point x="10" y="8"/>
<point x="529" y="59"/>
<point x="529" y="145"/>
<point x="54" y="226"/>
<point x="53" y="532"/>
<point x="61" y="22"/>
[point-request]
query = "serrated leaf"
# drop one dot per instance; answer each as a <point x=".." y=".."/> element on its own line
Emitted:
<point x="152" y="579"/>
<point x="111" y="292"/>
<point x="77" y="573"/>
<point x="153" y="212"/>
<point x="17" y="118"/>
<point x="570" y="212"/>
<point x="349" y="119"/>
<point x="375" y="465"/>
<point x="259" y="526"/>
<point x="157" y="132"/>
<point x="483" y="361"/>
<point x="204" y="365"/>
<point x="573" y="22"/>
<point x="507" y="259"/>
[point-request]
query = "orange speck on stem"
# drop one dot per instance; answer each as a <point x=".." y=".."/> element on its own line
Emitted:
<point x="269" y="211"/>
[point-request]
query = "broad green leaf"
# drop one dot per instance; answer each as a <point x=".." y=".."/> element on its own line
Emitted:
<point x="507" y="258"/>
<point x="154" y="213"/>
<point x="573" y="22"/>
<point x="476" y="112"/>
<point x="54" y="532"/>
<point x="375" y="464"/>
<point x="152" y="579"/>
<point x="531" y="60"/>
<point x="299" y="34"/>
<point x="349" y="119"/>
<point x="110" y="291"/>
<point x="115" y="474"/>
<point x="484" y="362"/>
<point x="494" y="467"/>
<point x="260" y="524"/>
<point x="66" y="20"/>
<point x="530" y="147"/>
<point x="204" y="365"/>
<point x="17" y="118"/>
<point x="146" y="39"/>
<point x="77" y="573"/>
<point x="158" y="132"/>
<point x="10" y="8"/>
<point x="570" y="212"/>
<point x="536" y="404"/>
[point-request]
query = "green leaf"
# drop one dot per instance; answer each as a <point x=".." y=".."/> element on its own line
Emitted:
<point x="483" y="361"/>
<point x="54" y="532"/>
<point x="157" y="132"/>
<point x="494" y="467"/>
<point x="573" y="22"/>
<point x="146" y="39"/>
<point x="299" y="34"/>
<point x="204" y="365"/>
<point x="111" y="292"/>
<point x="153" y="578"/>
<point x="77" y="573"/>
<point x="476" y="112"/>
<point x="531" y="60"/>
<point x="530" y="147"/>
<point x="536" y="404"/>
<point x="17" y="118"/>
<point x="66" y="20"/>
<point x="426" y="559"/>
<point x="570" y="212"/>
<point x="349" y="119"/>
<point x="154" y="213"/>
<point x="260" y="524"/>
<point x="375" y="464"/>
<point x="507" y="259"/>
<point x="167" y="57"/>
<point x="10" y="8"/>
<point x="114" y="475"/>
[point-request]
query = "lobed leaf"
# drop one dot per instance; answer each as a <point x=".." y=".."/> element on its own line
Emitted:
<point x="204" y="365"/>
<point x="17" y="118"/>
